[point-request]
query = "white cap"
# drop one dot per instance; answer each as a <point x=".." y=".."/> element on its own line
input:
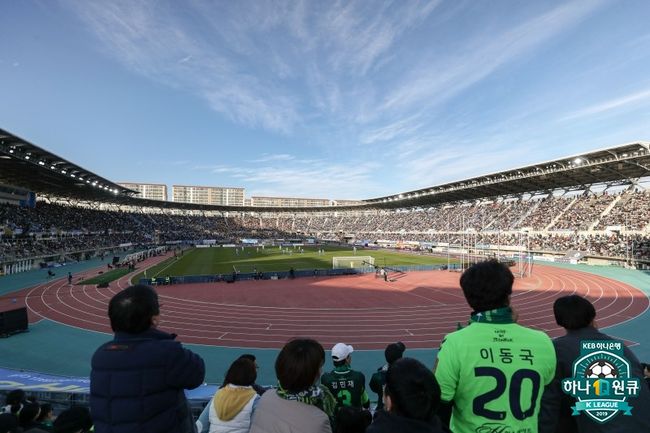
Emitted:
<point x="341" y="351"/>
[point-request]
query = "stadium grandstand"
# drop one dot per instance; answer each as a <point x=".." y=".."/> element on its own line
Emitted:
<point x="594" y="204"/>
<point x="592" y="208"/>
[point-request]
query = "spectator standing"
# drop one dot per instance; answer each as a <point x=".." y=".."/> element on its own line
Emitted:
<point x="392" y="353"/>
<point x="347" y="385"/>
<point x="299" y="404"/>
<point x="412" y="398"/>
<point x="577" y="316"/>
<point x="492" y="372"/>
<point x="138" y="379"/>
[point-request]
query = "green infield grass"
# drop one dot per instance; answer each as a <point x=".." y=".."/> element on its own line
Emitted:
<point x="212" y="261"/>
<point x="153" y="271"/>
<point x="107" y="277"/>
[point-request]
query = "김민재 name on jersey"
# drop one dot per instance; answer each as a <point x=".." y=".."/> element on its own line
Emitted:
<point x="602" y="345"/>
<point x="506" y="355"/>
<point x="342" y="384"/>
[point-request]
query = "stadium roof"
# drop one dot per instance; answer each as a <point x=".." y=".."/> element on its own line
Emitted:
<point x="28" y="166"/>
<point x="619" y="165"/>
<point x="25" y="165"/>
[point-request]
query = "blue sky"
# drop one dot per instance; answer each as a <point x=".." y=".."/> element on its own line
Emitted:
<point x="322" y="98"/>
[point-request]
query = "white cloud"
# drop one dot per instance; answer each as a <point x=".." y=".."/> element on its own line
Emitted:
<point x="275" y="157"/>
<point x="303" y="178"/>
<point x="257" y="57"/>
<point x="633" y="99"/>
<point x="148" y="38"/>
<point x="403" y="127"/>
<point x="434" y="84"/>
<point x="452" y="163"/>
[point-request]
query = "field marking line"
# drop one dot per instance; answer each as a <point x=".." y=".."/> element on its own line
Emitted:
<point x="159" y="272"/>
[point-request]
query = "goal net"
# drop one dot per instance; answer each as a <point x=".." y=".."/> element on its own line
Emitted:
<point x="352" y="262"/>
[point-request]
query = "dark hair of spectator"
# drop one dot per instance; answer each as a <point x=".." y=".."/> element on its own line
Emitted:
<point x="15" y="399"/>
<point x="487" y="285"/>
<point x="573" y="312"/>
<point x="352" y="420"/>
<point x="249" y="356"/>
<point x="131" y="309"/>
<point x="394" y="351"/>
<point x="242" y="372"/>
<point x="46" y="409"/>
<point x="28" y="414"/>
<point x="339" y="363"/>
<point x="73" y="420"/>
<point x="413" y="389"/>
<point x="16" y="396"/>
<point x="298" y="364"/>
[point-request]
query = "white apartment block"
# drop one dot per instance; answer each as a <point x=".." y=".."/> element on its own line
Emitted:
<point x="289" y="202"/>
<point x="151" y="191"/>
<point x="214" y="195"/>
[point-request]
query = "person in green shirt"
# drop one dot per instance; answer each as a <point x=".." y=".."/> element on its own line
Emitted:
<point x="347" y="385"/>
<point x="492" y="373"/>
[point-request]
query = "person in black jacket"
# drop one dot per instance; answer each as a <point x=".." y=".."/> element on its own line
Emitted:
<point x="138" y="379"/>
<point x="393" y="352"/>
<point x="411" y="400"/>
<point x="577" y="315"/>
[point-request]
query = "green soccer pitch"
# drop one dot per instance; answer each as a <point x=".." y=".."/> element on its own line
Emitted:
<point x="212" y="261"/>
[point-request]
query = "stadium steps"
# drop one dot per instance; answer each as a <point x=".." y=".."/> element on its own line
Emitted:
<point x="557" y="218"/>
<point x="497" y="218"/>
<point x="607" y="210"/>
<point x="530" y="210"/>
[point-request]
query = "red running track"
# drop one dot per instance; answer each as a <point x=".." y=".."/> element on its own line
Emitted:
<point x="418" y="308"/>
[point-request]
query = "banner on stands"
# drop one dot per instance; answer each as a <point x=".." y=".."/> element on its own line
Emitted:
<point x="36" y="382"/>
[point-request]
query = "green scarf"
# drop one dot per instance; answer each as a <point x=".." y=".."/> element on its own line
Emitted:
<point x="498" y="316"/>
<point x="315" y="395"/>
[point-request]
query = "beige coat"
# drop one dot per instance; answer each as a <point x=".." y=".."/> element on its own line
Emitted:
<point x="277" y="415"/>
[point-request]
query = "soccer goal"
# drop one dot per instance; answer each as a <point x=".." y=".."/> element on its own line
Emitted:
<point x="352" y="262"/>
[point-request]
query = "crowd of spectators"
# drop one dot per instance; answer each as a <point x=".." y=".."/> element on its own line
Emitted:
<point x="583" y="212"/>
<point x="555" y="223"/>
<point x="631" y="211"/>
<point x="24" y="414"/>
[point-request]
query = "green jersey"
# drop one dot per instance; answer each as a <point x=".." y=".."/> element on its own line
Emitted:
<point x="347" y="385"/>
<point x="494" y="371"/>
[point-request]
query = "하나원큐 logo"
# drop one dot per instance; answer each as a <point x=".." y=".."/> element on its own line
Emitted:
<point x="601" y="382"/>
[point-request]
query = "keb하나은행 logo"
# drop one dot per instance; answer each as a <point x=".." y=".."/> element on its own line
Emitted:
<point x="601" y="382"/>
